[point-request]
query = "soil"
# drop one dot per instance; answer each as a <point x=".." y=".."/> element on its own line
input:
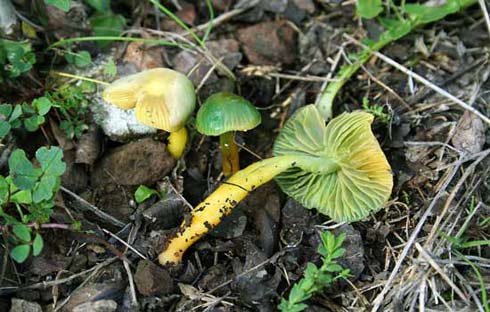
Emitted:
<point x="280" y="52"/>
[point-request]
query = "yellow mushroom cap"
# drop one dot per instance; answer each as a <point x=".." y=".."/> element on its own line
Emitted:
<point x="163" y="98"/>
<point x="363" y="181"/>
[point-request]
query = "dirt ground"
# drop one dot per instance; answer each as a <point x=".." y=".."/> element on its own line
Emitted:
<point x="427" y="249"/>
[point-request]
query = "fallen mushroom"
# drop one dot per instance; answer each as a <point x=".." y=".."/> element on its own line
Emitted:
<point x="338" y="169"/>
<point x="222" y="114"/>
<point x="163" y="99"/>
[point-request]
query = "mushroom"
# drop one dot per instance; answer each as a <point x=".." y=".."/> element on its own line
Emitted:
<point x="222" y="114"/>
<point x="163" y="99"/>
<point x="338" y="169"/>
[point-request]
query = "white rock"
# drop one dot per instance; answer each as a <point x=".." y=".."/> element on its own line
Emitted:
<point x="119" y="125"/>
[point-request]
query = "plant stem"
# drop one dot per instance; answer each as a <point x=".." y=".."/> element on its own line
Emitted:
<point x="209" y="213"/>
<point x="325" y="102"/>
<point x="118" y="38"/>
<point x="80" y="78"/>
<point x="229" y="151"/>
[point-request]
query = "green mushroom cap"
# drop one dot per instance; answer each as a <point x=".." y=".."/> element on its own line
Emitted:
<point x="224" y="112"/>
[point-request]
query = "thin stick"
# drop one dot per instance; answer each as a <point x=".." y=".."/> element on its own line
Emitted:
<point x="122" y="241"/>
<point x="422" y="80"/>
<point x="485" y="14"/>
<point x="224" y="17"/>
<point x="378" y="301"/>
<point x="439" y="270"/>
<point x="134" y="299"/>
<point x="95" y="210"/>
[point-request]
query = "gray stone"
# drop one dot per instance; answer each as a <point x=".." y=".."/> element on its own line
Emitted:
<point x="118" y="124"/>
<point x="97" y="306"/>
<point x="20" y="305"/>
<point x="7" y="17"/>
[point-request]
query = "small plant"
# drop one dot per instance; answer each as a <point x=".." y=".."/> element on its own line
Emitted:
<point x="27" y="197"/>
<point x="316" y="279"/>
<point x="376" y="110"/>
<point x="30" y="116"/>
<point x="16" y="58"/>
<point x="338" y="169"/>
<point x="72" y="103"/>
<point x="143" y="193"/>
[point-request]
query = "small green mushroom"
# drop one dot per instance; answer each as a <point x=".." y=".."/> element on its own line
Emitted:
<point x="222" y="114"/>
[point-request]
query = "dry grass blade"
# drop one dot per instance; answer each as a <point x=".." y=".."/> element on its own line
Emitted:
<point x="440" y="271"/>
<point x="424" y="81"/>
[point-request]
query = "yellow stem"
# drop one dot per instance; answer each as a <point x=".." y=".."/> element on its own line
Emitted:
<point x="176" y="143"/>
<point x="229" y="152"/>
<point x="209" y="213"/>
<point x="80" y="78"/>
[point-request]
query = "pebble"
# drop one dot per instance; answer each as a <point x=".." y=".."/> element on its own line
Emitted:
<point x="269" y="43"/>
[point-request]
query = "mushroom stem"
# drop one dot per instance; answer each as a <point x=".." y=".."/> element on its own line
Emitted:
<point x="209" y="213"/>
<point x="176" y="142"/>
<point x="229" y="151"/>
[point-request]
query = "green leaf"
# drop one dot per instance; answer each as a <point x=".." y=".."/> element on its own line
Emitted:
<point x="22" y="232"/>
<point x="79" y="59"/>
<point x="22" y="197"/>
<point x="396" y="29"/>
<point x="45" y="189"/>
<point x="100" y="5"/>
<point x="16" y="113"/>
<point x="4" y="191"/>
<point x="37" y="245"/>
<point x="42" y="105"/>
<point x="143" y="192"/>
<point x="51" y="161"/>
<point x="344" y="173"/>
<point x="369" y="8"/>
<point x="334" y="267"/>
<point x="23" y="173"/>
<point x="16" y="57"/>
<point x="20" y="253"/>
<point x="5" y="111"/>
<point x="32" y="123"/>
<point x="4" y="128"/>
<point x="426" y="14"/>
<point x="63" y="5"/>
<point x="338" y="253"/>
<point x="110" y="69"/>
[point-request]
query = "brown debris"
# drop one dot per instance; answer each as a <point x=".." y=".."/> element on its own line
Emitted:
<point x="141" y="162"/>
<point x="269" y="43"/>
<point x="152" y="280"/>
<point x="469" y="135"/>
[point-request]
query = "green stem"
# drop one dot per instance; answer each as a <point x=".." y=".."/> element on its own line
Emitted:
<point x="117" y="38"/>
<point x="179" y="22"/>
<point x="405" y="27"/>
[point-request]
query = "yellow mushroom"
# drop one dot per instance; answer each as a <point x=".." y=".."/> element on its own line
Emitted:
<point x="162" y="98"/>
<point x="338" y="169"/>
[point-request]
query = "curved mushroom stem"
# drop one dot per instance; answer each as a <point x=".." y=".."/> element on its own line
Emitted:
<point x="209" y="213"/>
<point x="176" y="143"/>
<point x="229" y="151"/>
